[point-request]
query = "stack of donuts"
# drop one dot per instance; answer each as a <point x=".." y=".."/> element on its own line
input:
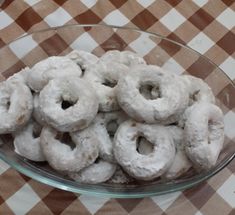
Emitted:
<point x="111" y="119"/>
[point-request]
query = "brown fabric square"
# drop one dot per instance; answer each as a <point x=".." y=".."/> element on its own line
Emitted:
<point x="173" y="3"/>
<point x="118" y="3"/>
<point x="201" y="68"/>
<point x="144" y="20"/>
<point x="28" y="18"/>
<point x="5" y="4"/>
<point x="175" y="38"/>
<point x="13" y="69"/>
<point x="40" y="208"/>
<point x="42" y="190"/>
<point x="112" y="207"/>
<point x="60" y="2"/>
<point x="199" y="195"/>
<point x="227" y="42"/>
<point x="54" y="45"/>
<point x="76" y="207"/>
<point x="201" y="19"/>
<point x="128" y="204"/>
<point x="114" y="42"/>
<point x="11" y="32"/>
<point x="170" y="48"/>
<point x="1" y="43"/>
<point x="88" y="17"/>
<point x="58" y="200"/>
<point x="228" y="3"/>
<point x="228" y="101"/>
<point x="4" y="209"/>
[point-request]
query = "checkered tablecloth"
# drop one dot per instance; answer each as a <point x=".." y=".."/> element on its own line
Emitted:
<point x="207" y="26"/>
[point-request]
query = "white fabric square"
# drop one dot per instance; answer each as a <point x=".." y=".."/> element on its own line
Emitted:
<point x="23" y="200"/>
<point x="32" y="2"/>
<point x="173" y="67"/>
<point x="23" y="46"/>
<point x="201" y="43"/>
<point x="145" y="3"/>
<point x="58" y="17"/>
<point x="227" y="18"/>
<point x="116" y="18"/>
<point x="84" y="42"/>
<point x="229" y="124"/>
<point x="200" y="3"/>
<point x="228" y="66"/>
<point x="172" y="20"/>
<point x="5" y="20"/>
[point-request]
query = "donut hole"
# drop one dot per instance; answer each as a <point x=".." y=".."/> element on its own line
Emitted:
<point x="66" y="104"/>
<point x="194" y="96"/>
<point x="65" y="138"/>
<point x="143" y="146"/>
<point x="109" y="83"/>
<point x="149" y="91"/>
<point x="112" y="127"/>
<point x="36" y="131"/>
<point x="82" y="69"/>
<point x="8" y="104"/>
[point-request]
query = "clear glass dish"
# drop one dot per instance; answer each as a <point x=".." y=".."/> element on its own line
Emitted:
<point x="158" y="50"/>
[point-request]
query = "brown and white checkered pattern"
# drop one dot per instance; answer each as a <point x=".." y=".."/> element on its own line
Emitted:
<point x="207" y="26"/>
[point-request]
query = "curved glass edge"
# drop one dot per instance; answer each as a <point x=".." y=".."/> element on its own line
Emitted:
<point x="71" y="188"/>
<point x="124" y="28"/>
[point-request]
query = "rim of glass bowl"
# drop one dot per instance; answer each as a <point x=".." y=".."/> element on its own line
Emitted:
<point x="106" y="190"/>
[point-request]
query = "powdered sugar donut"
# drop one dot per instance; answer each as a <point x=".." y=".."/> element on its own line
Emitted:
<point x="97" y="172"/>
<point x="21" y="76"/>
<point x="27" y="142"/>
<point x="50" y="68"/>
<point x="104" y="127"/>
<point x="120" y="177"/>
<point x="103" y="77"/>
<point x="204" y="134"/>
<point x="173" y="97"/>
<point x="198" y="89"/>
<point x="144" y="167"/>
<point x="82" y="58"/>
<point x="68" y="103"/>
<point x="37" y="115"/>
<point x="181" y="163"/>
<point x="124" y="57"/>
<point x="16" y="104"/>
<point x="62" y="157"/>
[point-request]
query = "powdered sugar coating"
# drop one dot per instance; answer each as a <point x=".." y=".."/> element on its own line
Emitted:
<point x="98" y="172"/>
<point x="173" y="99"/>
<point x="82" y="58"/>
<point x="181" y="163"/>
<point x="16" y="105"/>
<point x="21" y="76"/>
<point x="62" y="157"/>
<point x="104" y="127"/>
<point x="37" y="115"/>
<point x="144" y="167"/>
<point x="198" y="89"/>
<point x="50" y="68"/>
<point x="74" y="90"/>
<point x="26" y="144"/>
<point x="104" y="76"/>
<point x="204" y="134"/>
<point x="124" y="57"/>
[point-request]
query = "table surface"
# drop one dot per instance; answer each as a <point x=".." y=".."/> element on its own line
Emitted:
<point x="207" y="26"/>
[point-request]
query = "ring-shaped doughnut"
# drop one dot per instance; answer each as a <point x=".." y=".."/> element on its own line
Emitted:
<point x="128" y="58"/>
<point x="104" y="127"/>
<point x="198" y="90"/>
<point x="27" y="142"/>
<point x="144" y="167"/>
<point x="50" y="68"/>
<point x="204" y="134"/>
<point x="68" y="103"/>
<point x="97" y="172"/>
<point x="172" y="101"/>
<point x="181" y="163"/>
<point x="62" y="157"/>
<point x="103" y="77"/>
<point x="83" y="59"/>
<point x="16" y="105"/>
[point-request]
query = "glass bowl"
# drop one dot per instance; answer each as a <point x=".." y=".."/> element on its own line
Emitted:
<point x="158" y="50"/>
